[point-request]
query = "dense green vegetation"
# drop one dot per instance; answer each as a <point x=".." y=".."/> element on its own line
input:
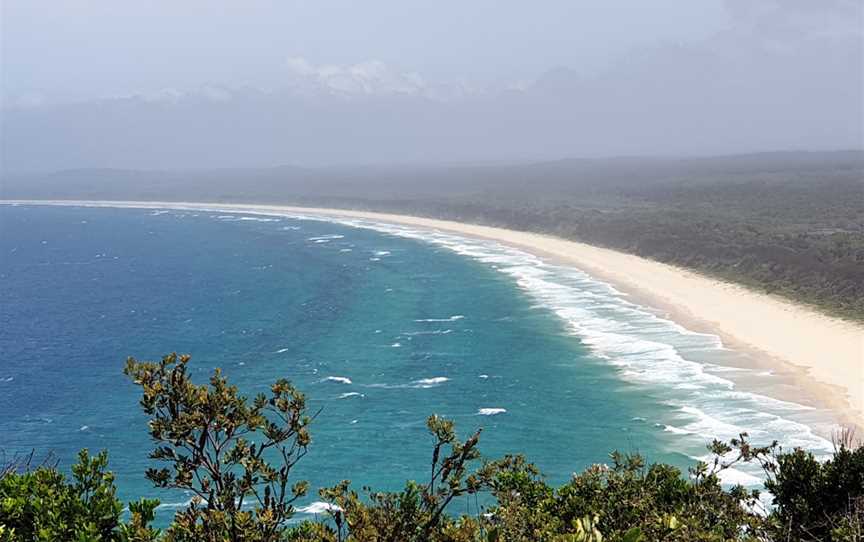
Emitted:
<point x="235" y="455"/>
<point x="786" y="223"/>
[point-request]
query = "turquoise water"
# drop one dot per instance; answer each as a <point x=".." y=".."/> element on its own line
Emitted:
<point x="380" y="325"/>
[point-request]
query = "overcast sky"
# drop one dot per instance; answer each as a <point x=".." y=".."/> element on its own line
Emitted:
<point x="67" y="49"/>
<point x="590" y="77"/>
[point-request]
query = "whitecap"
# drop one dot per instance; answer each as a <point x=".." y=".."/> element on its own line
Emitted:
<point x="339" y="379"/>
<point x="676" y="430"/>
<point x="258" y="219"/>
<point x="450" y="319"/>
<point x="318" y="507"/>
<point x="430" y="382"/>
<point x="643" y="346"/>
<point x="351" y="394"/>
<point x="490" y="411"/>
<point x="282" y="350"/>
<point x="430" y="332"/>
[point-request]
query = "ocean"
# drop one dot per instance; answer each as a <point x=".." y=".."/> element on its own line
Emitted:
<point x="380" y="325"/>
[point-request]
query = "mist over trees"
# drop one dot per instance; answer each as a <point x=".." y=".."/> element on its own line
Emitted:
<point x="779" y="76"/>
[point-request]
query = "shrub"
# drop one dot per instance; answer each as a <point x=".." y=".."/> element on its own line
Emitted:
<point x="242" y="492"/>
<point x="41" y="504"/>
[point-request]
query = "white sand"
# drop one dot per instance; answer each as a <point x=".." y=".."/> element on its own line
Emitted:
<point x="825" y="353"/>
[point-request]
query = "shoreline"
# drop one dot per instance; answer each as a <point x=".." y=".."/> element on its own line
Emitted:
<point x="820" y="354"/>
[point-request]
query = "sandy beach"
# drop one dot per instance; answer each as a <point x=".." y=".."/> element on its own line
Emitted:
<point x="823" y="355"/>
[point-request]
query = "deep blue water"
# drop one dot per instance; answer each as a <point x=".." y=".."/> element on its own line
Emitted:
<point x="419" y="323"/>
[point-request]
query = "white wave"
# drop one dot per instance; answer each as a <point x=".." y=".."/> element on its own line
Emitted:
<point x="84" y="428"/>
<point x="484" y="377"/>
<point x="318" y="507"/>
<point x="374" y="259"/>
<point x="491" y="411"/>
<point x="351" y="394"/>
<point x="430" y="332"/>
<point x="732" y="476"/>
<point x="326" y="237"/>
<point x="339" y="379"/>
<point x="258" y="219"/>
<point x="450" y="319"/>
<point x="382" y="252"/>
<point x="172" y="505"/>
<point x="395" y="345"/>
<point x="282" y="350"/>
<point x="645" y="348"/>
<point x="430" y="382"/>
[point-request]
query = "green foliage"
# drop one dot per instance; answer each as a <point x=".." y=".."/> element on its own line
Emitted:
<point x="417" y="512"/>
<point x="202" y="433"/>
<point x="625" y="501"/>
<point x="40" y="505"/>
<point x="818" y="500"/>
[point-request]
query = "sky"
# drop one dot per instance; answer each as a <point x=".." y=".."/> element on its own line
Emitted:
<point x="87" y="83"/>
<point x="77" y="50"/>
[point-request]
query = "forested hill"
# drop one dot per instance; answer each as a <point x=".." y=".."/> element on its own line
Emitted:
<point x="787" y="223"/>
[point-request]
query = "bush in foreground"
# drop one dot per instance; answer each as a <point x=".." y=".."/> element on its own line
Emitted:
<point x="243" y="491"/>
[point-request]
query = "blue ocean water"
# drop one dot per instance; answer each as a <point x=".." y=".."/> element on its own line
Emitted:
<point x="380" y="325"/>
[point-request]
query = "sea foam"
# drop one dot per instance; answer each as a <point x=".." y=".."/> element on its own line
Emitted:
<point x="430" y="382"/>
<point x="645" y="348"/>
<point x="339" y="379"/>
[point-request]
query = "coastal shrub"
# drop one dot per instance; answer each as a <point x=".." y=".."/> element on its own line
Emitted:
<point x="41" y="504"/>
<point x="202" y="433"/>
<point x="818" y="500"/>
<point x="242" y="491"/>
<point x="418" y="511"/>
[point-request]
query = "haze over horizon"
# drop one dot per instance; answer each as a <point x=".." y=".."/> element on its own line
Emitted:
<point x="204" y="85"/>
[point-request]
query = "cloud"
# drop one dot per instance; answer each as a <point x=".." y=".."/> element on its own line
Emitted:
<point x="369" y="77"/>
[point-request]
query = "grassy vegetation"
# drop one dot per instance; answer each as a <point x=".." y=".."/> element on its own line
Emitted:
<point x="785" y="223"/>
<point x="235" y="455"/>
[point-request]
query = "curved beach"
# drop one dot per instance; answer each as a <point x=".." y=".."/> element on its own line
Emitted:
<point x="823" y="356"/>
